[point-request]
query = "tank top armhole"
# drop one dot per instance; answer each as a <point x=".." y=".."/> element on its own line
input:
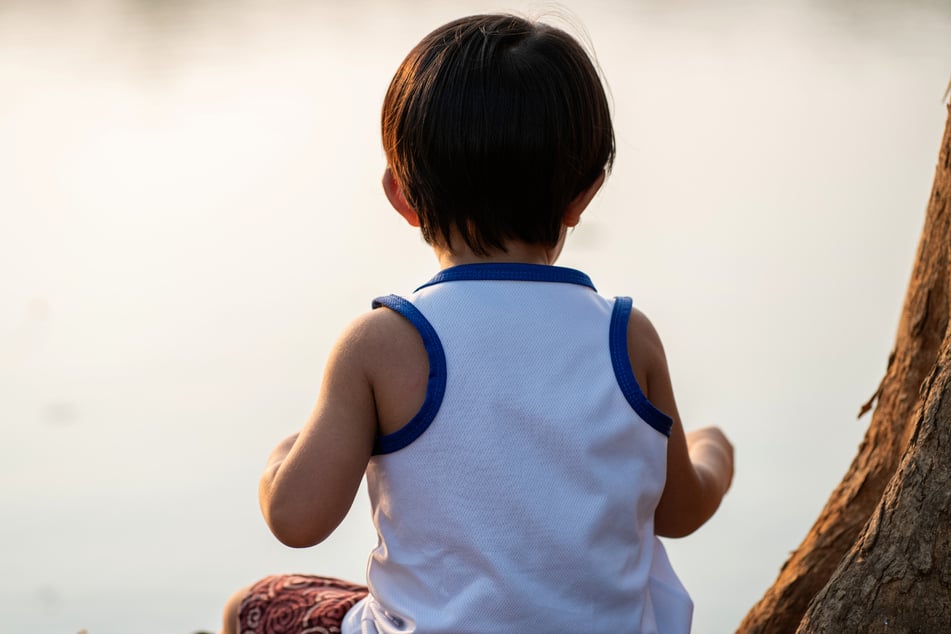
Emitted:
<point x="621" y="360"/>
<point x="435" y="385"/>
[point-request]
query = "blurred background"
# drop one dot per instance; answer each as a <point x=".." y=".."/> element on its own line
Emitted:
<point x="190" y="212"/>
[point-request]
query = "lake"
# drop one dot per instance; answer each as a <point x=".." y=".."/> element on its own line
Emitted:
<point x="190" y="211"/>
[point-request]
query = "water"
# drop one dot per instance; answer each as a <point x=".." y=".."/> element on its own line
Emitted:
<point x="190" y="211"/>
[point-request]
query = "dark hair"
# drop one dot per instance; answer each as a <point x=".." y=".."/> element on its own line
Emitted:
<point x="492" y="125"/>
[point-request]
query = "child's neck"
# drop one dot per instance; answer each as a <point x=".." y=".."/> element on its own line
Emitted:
<point x="514" y="252"/>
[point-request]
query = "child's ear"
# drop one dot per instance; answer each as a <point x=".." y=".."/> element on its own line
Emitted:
<point x="577" y="206"/>
<point x="395" y="195"/>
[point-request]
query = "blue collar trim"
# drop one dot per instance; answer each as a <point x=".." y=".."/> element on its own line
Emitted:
<point x="510" y="271"/>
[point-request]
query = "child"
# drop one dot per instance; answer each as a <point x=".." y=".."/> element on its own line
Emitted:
<point x="518" y="431"/>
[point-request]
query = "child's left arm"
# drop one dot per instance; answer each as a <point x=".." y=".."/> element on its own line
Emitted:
<point x="699" y="463"/>
<point x="312" y="477"/>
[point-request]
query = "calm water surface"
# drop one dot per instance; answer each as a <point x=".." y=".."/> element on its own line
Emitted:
<point x="190" y="211"/>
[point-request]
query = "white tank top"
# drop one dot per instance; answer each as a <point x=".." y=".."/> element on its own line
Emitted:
<point x="521" y="497"/>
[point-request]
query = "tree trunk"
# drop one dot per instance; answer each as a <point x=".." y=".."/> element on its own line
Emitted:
<point x="896" y="544"/>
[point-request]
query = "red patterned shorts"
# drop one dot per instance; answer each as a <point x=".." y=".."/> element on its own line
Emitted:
<point x="297" y="604"/>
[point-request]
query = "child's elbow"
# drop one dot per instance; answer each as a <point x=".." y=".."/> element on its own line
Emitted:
<point x="682" y="520"/>
<point x="293" y="530"/>
<point x="295" y="538"/>
<point x="675" y="530"/>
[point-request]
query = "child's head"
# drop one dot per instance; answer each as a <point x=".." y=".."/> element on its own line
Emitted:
<point x="492" y="126"/>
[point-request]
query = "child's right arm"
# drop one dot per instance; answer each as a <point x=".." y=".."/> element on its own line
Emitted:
<point x="375" y="380"/>
<point x="311" y="478"/>
<point x="699" y="463"/>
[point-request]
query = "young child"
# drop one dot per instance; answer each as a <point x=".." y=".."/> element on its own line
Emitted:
<point x="518" y="431"/>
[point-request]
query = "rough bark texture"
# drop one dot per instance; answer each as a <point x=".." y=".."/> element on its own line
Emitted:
<point x="905" y="417"/>
<point x="897" y="577"/>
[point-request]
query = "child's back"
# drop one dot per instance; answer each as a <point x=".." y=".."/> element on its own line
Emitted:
<point x="522" y="496"/>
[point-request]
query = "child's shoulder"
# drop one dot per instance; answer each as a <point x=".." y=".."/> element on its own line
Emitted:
<point x="645" y="349"/>
<point x="378" y="330"/>
<point x="382" y="341"/>
<point x="394" y="361"/>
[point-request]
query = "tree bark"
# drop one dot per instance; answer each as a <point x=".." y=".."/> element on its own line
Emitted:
<point x="897" y="576"/>
<point x="902" y="553"/>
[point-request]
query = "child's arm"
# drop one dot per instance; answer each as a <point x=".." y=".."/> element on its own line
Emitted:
<point x="700" y="463"/>
<point x="312" y="477"/>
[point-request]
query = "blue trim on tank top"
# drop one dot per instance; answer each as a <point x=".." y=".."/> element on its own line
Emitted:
<point x="510" y="271"/>
<point x="435" y="386"/>
<point x="621" y="360"/>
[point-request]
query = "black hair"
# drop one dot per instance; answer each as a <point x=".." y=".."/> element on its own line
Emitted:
<point x="492" y="125"/>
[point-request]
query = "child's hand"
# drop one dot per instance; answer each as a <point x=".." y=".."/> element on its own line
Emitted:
<point x="711" y="451"/>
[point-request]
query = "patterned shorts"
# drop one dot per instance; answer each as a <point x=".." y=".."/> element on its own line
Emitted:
<point x="297" y="604"/>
